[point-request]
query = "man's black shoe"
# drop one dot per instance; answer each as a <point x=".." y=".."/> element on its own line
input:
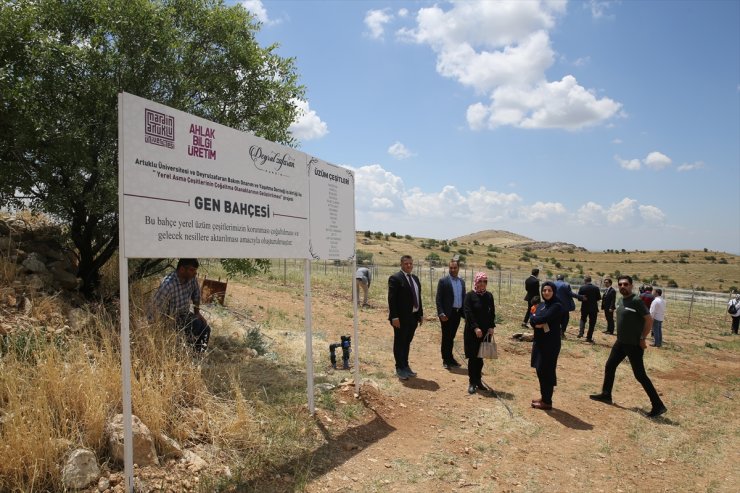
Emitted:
<point x="409" y="371"/>
<point x="401" y="373"/>
<point x="657" y="411"/>
<point x="446" y="365"/>
<point x="455" y="364"/>
<point x="579" y="336"/>
<point x="601" y="397"/>
<point x="590" y="341"/>
<point x="471" y="389"/>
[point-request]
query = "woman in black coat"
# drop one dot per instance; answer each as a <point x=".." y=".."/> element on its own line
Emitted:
<point x="480" y="320"/>
<point x="546" y="346"/>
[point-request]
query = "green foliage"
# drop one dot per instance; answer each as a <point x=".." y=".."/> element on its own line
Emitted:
<point x="671" y="283"/>
<point x="433" y="259"/>
<point x="368" y="234"/>
<point x="445" y="248"/>
<point x="236" y="267"/>
<point x="364" y="257"/>
<point x="476" y="242"/>
<point x="408" y="237"/>
<point x="494" y="249"/>
<point x="255" y="340"/>
<point x="393" y="234"/>
<point x="62" y="67"/>
<point x="722" y="260"/>
<point x="378" y="235"/>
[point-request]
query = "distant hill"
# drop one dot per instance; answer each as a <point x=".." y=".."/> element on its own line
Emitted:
<point x="508" y="239"/>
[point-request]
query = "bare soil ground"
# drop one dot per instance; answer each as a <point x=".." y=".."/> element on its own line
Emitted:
<point x="428" y="435"/>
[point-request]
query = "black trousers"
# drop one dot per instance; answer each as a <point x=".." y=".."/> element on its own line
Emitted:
<point x="635" y="355"/>
<point x="402" y="337"/>
<point x="546" y="376"/>
<point x="475" y="370"/>
<point x="449" y="330"/>
<point x="526" y="315"/>
<point x="609" y="321"/>
<point x="564" y="322"/>
<point x="196" y="331"/>
<point x="591" y="323"/>
<point x="735" y="324"/>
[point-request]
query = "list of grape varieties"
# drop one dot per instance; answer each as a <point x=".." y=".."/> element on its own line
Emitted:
<point x="332" y="229"/>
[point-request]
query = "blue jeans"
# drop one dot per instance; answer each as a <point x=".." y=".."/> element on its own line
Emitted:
<point x="658" y="333"/>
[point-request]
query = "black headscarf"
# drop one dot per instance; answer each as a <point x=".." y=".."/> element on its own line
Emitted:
<point x="554" y="290"/>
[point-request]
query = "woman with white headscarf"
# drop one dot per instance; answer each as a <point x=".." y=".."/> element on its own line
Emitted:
<point x="480" y="320"/>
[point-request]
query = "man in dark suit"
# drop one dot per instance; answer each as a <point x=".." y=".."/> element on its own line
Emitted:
<point x="609" y="304"/>
<point x="450" y="296"/>
<point x="404" y="313"/>
<point x="532" y="286"/>
<point x="589" y="295"/>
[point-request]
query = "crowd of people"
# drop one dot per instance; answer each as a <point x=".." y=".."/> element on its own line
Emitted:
<point x="548" y="313"/>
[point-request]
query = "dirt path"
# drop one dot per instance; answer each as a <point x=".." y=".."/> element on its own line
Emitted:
<point x="428" y="435"/>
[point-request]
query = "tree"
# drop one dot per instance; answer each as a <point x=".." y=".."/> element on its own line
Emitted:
<point x="62" y="65"/>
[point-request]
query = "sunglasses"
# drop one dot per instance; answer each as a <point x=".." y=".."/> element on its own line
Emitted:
<point x="625" y="284"/>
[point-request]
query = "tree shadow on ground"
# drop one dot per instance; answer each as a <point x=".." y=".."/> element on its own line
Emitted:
<point x="295" y="473"/>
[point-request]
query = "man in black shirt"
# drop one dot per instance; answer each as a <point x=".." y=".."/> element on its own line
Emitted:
<point x="633" y="326"/>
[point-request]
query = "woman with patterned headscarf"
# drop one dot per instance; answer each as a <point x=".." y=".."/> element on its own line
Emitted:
<point x="480" y="320"/>
<point x="545" y="320"/>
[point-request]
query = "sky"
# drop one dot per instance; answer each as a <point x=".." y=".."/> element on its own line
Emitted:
<point x="606" y="124"/>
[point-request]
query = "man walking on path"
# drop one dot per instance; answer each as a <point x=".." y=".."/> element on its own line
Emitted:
<point x="733" y="308"/>
<point x="609" y="304"/>
<point x="405" y="313"/>
<point x="449" y="299"/>
<point x="657" y="311"/>
<point x="633" y="325"/>
<point x="532" y="286"/>
<point x="589" y="296"/>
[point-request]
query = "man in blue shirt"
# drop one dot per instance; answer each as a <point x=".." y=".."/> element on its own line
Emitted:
<point x="450" y="296"/>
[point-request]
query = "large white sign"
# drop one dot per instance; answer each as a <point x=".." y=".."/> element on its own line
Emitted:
<point x="193" y="188"/>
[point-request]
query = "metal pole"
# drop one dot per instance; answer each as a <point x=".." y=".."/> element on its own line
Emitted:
<point x="309" y="338"/>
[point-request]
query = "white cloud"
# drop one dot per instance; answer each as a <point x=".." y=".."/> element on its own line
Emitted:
<point x="657" y="160"/>
<point x="617" y="141"/>
<point x="384" y="203"/>
<point x="307" y="124"/>
<point x="580" y="62"/>
<point x="599" y="8"/>
<point x="375" y="20"/>
<point x="399" y="151"/>
<point x="403" y="12"/>
<point x="630" y="164"/>
<point x="626" y="213"/>
<point x="256" y="8"/>
<point x="541" y="211"/>
<point x="503" y="50"/>
<point x="691" y="166"/>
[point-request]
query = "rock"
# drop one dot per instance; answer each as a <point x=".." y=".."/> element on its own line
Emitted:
<point x="36" y="282"/>
<point x="81" y="470"/>
<point x="65" y="280"/>
<point x="324" y="387"/>
<point x="193" y="461"/>
<point x="34" y="263"/>
<point x="169" y="448"/>
<point x="144" y="452"/>
<point x="103" y="484"/>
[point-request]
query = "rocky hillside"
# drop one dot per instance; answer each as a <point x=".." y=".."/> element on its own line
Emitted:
<point x="501" y="238"/>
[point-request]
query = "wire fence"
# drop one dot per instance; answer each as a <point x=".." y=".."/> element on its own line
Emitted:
<point x="499" y="281"/>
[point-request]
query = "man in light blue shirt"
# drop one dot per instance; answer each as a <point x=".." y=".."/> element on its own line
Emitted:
<point x="450" y="295"/>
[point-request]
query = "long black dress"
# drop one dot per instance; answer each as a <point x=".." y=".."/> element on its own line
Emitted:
<point x="546" y="346"/>
<point x="480" y="312"/>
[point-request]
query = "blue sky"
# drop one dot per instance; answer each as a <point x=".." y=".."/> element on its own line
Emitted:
<point x="605" y="124"/>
